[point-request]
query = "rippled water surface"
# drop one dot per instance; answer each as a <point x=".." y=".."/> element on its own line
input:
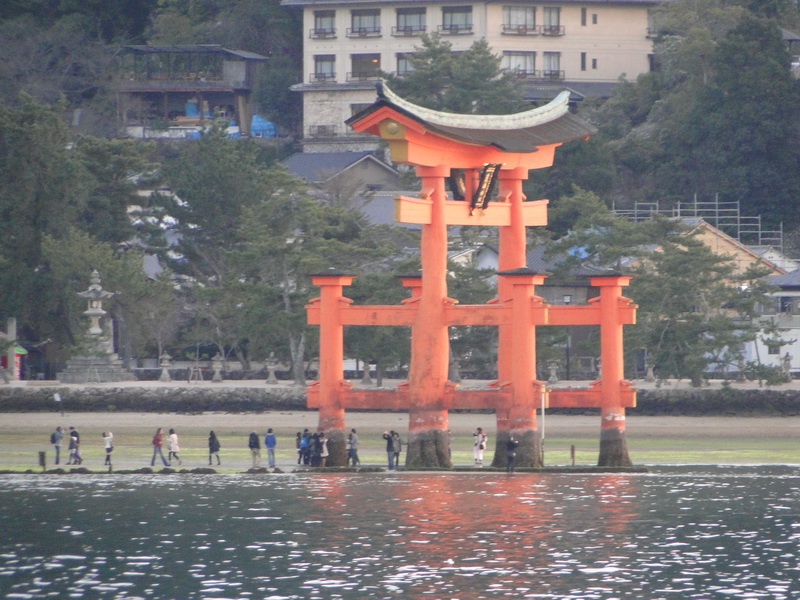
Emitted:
<point x="681" y="533"/>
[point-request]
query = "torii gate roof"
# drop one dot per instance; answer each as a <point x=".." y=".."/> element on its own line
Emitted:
<point x="523" y="132"/>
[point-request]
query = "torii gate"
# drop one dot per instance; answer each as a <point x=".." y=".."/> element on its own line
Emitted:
<point x="436" y="143"/>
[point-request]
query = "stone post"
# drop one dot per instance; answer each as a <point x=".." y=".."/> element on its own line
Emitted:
<point x="165" y="363"/>
<point x="271" y="364"/>
<point x="11" y="354"/>
<point x="216" y="364"/>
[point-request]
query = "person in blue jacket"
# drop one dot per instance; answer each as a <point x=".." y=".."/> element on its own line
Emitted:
<point x="269" y="443"/>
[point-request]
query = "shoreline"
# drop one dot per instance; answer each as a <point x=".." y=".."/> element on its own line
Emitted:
<point x="652" y="441"/>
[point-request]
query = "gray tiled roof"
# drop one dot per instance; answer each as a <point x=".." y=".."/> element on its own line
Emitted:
<point x="194" y="49"/>
<point x="578" y="90"/>
<point x="789" y="280"/>
<point x="379" y="209"/>
<point x="319" y="166"/>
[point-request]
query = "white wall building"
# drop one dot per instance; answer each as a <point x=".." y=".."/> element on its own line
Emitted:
<point x="555" y="45"/>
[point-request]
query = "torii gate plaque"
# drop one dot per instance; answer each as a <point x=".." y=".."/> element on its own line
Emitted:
<point x="436" y="143"/>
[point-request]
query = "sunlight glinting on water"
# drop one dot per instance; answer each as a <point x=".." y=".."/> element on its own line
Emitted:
<point x="675" y="534"/>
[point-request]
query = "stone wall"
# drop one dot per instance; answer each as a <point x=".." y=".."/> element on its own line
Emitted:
<point x="152" y="399"/>
<point x="701" y="402"/>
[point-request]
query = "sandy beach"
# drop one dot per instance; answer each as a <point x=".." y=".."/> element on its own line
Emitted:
<point x="651" y="440"/>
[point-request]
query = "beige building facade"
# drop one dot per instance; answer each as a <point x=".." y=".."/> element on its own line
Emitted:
<point x="560" y="44"/>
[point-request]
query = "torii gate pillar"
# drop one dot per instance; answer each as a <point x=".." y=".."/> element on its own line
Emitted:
<point x="613" y="447"/>
<point x="428" y="436"/>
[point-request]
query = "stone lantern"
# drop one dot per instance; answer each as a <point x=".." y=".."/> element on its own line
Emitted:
<point x="165" y="364"/>
<point x="99" y="363"/>
<point x="271" y="364"/>
<point x="216" y="364"/>
<point x="95" y="296"/>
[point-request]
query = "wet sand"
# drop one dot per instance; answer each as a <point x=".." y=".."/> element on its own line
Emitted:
<point x="651" y="440"/>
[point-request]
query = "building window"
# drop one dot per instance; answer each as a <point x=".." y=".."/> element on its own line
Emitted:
<point x="404" y="65"/>
<point x="456" y="19"/>
<point x="410" y="21"/>
<point x="520" y="63"/>
<point x="551" y="21"/>
<point x="583" y="61"/>
<point x="594" y="18"/>
<point x="583" y="16"/>
<point x="652" y="24"/>
<point x="594" y="63"/>
<point x="520" y="20"/>
<point x="773" y="349"/>
<point x="324" y="68"/>
<point x="365" y="23"/>
<point x="551" y="65"/>
<point x="324" y="24"/>
<point x="365" y="66"/>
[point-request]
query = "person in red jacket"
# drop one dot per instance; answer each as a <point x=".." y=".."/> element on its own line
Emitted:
<point x="158" y="441"/>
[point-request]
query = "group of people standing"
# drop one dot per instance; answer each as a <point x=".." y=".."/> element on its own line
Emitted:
<point x="254" y="443"/>
<point x="74" y="445"/>
<point x="312" y="448"/>
<point x="394" y="445"/>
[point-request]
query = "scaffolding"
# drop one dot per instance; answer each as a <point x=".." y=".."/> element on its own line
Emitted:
<point x="724" y="215"/>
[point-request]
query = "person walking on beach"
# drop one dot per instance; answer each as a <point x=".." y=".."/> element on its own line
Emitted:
<point x="269" y="443"/>
<point x="297" y="441"/>
<point x="305" y="446"/>
<point x="352" y="449"/>
<point x="389" y="437"/>
<point x="511" y="454"/>
<point x="173" y="447"/>
<point x="323" y="449"/>
<point x="255" y="449"/>
<point x="398" y="446"/>
<point x="75" y="446"/>
<point x="479" y="446"/>
<point x="108" y="440"/>
<point x="315" y="448"/>
<point x="158" y="442"/>
<point x="213" y="447"/>
<point x="55" y="439"/>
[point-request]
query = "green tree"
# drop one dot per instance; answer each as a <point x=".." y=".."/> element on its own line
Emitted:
<point x="69" y="260"/>
<point x="42" y="191"/>
<point x="211" y="181"/>
<point x="742" y="129"/>
<point x="290" y="235"/>
<point x="115" y="167"/>
<point x="466" y="82"/>
<point x="385" y="346"/>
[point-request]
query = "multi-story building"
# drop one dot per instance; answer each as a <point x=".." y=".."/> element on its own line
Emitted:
<point x="554" y="45"/>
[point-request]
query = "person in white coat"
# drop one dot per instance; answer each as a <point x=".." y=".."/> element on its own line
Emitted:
<point x="480" y="445"/>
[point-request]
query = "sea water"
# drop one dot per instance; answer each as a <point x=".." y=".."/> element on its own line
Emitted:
<point x="676" y="533"/>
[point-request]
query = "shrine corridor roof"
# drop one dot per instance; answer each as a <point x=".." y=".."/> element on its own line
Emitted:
<point x="519" y="132"/>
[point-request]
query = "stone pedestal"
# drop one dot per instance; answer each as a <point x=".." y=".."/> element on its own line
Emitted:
<point x="91" y="369"/>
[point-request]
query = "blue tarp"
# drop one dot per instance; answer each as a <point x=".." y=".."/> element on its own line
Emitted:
<point x="260" y="127"/>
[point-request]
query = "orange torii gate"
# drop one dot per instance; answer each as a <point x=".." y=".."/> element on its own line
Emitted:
<point x="437" y="143"/>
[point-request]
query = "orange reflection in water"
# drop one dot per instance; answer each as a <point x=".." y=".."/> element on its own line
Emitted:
<point x="517" y="523"/>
